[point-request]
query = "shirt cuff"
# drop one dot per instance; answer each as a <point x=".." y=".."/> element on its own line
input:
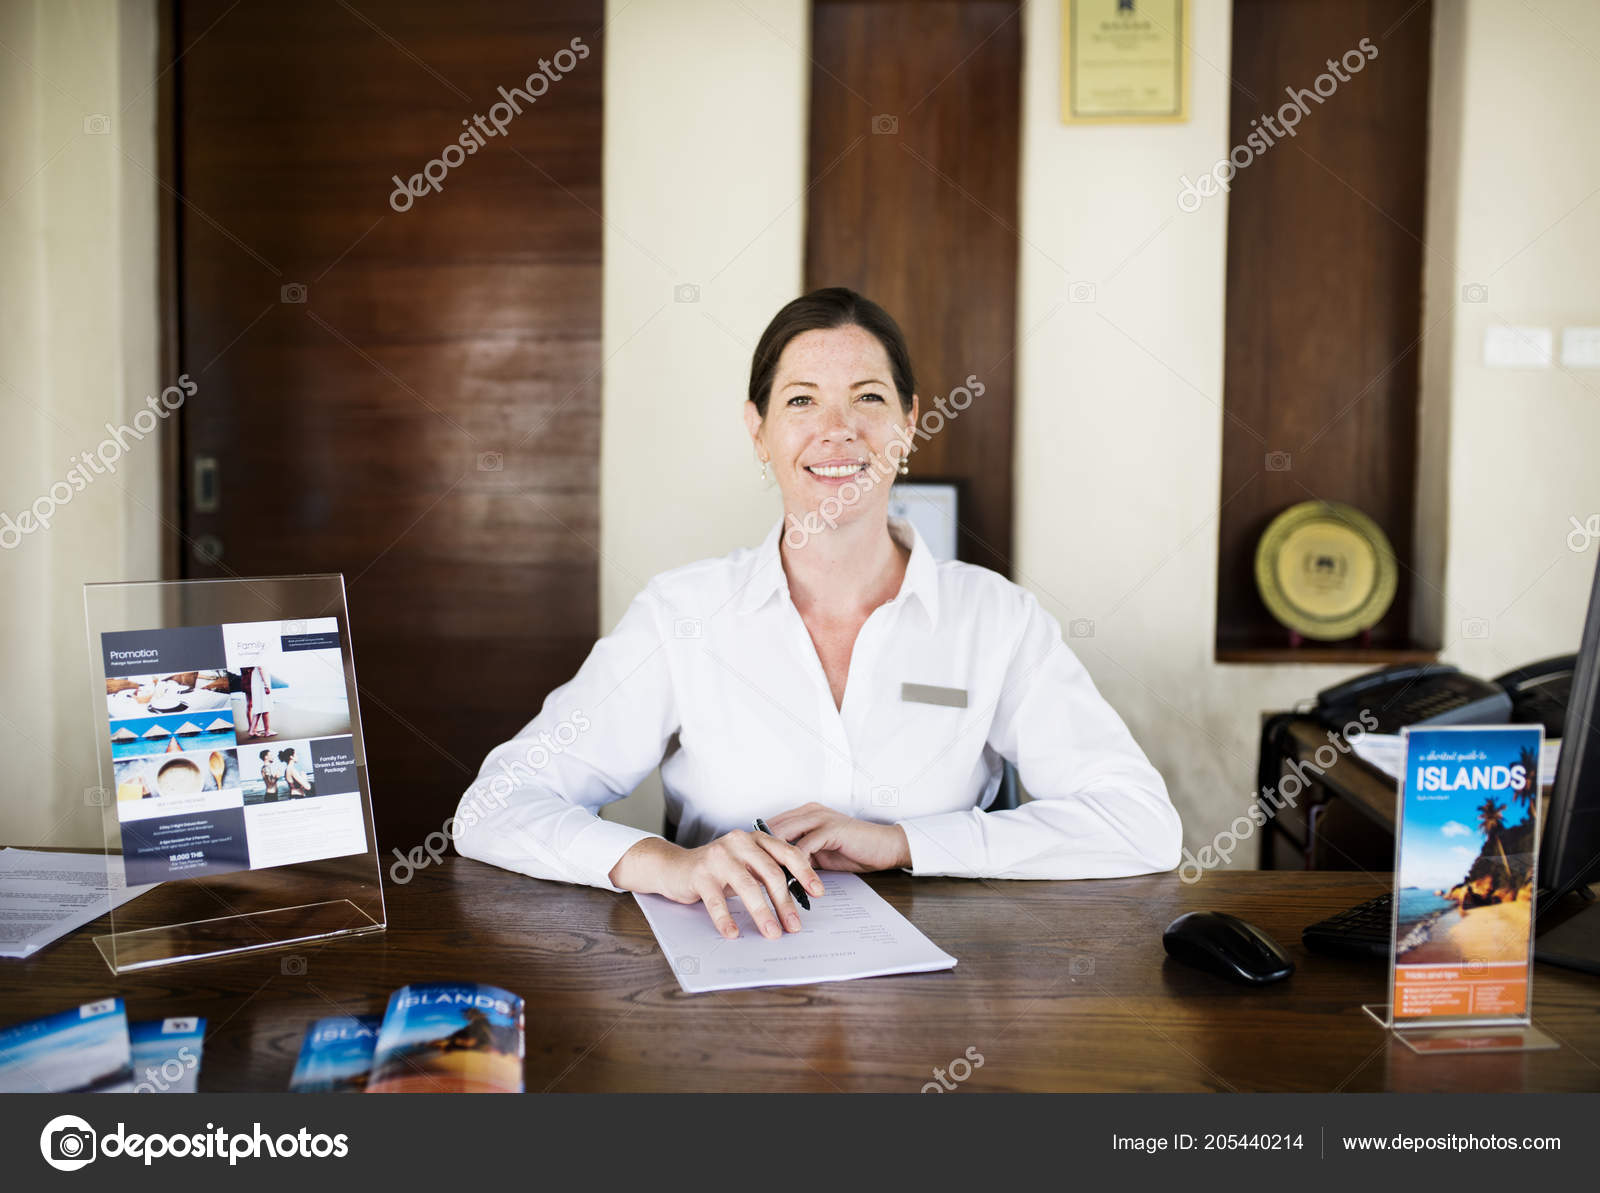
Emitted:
<point x="596" y="850"/>
<point x="947" y="844"/>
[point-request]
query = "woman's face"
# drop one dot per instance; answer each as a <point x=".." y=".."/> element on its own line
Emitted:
<point x="831" y="416"/>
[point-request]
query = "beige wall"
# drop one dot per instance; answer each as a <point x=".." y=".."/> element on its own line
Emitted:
<point x="78" y="336"/>
<point x="705" y="120"/>
<point x="1514" y="123"/>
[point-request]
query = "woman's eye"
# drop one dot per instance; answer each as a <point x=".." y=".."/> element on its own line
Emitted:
<point x="798" y="398"/>
<point x="872" y="397"/>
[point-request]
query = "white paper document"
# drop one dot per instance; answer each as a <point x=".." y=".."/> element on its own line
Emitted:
<point x="850" y="932"/>
<point x="45" y="895"/>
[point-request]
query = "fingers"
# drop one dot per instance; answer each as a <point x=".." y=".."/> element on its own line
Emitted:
<point x="755" y="902"/>
<point x="815" y="843"/>
<point x="760" y="863"/>
<point x="717" y="908"/>
<point x="798" y="861"/>
<point x="736" y="863"/>
<point x="828" y="859"/>
<point x="795" y="821"/>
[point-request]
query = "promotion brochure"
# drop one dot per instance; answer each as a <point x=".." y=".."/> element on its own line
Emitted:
<point x="435" y="1037"/>
<point x="84" y="1050"/>
<point x="231" y="747"/>
<point x="336" y="1057"/>
<point x="1466" y="867"/>
<point x="94" y="1049"/>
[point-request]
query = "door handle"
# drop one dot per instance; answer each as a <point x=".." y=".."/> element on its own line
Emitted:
<point x="204" y="494"/>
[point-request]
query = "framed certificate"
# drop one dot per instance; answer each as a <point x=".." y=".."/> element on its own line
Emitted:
<point x="1125" y="61"/>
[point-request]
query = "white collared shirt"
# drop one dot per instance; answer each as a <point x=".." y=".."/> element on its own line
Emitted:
<point x="712" y="675"/>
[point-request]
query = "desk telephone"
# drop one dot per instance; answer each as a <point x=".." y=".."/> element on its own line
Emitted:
<point x="1426" y="694"/>
<point x="1441" y="694"/>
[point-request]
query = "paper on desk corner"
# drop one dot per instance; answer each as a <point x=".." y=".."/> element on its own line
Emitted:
<point x="850" y="932"/>
<point x="44" y="895"/>
<point x="1387" y="752"/>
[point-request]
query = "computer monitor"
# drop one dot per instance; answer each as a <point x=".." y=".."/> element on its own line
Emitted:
<point x="1569" y="851"/>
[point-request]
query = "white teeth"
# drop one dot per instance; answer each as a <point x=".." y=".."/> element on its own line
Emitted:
<point x="837" y="471"/>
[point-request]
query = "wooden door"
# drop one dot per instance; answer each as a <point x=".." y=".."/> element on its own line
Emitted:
<point x="397" y="386"/>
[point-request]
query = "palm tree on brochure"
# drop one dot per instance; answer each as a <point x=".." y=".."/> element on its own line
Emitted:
<point x="1530" y="783"/>
<point x="1491" y="821"/>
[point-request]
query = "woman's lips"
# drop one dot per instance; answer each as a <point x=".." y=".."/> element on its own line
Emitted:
<point x="836" y="472"/>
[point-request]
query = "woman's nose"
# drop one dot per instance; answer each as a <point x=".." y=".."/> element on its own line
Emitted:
<point x="838" y="425"/>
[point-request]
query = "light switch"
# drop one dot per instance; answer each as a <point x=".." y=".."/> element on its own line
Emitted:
<point x="1517" y="347"/>
<point x="1580" y="348"/>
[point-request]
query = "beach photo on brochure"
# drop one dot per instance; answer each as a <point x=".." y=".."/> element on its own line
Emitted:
<point x="1467" y="861"/>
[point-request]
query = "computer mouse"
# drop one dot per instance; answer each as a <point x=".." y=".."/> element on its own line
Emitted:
<point x="1227" y="946"/>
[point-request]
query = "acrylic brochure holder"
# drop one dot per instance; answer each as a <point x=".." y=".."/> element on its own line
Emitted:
<point x="232" y="768"/>
<point x="1466" y="865"/>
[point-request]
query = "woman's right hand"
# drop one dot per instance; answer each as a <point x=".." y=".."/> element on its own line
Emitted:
<point x="746" y="864"/>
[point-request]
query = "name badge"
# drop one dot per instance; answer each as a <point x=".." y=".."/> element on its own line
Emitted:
<point x="927" y="693"/>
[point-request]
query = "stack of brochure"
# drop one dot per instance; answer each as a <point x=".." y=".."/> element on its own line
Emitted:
<point x="94" y="1049"/>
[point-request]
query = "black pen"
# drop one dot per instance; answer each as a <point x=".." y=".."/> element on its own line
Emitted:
<point x="795" y="889"/>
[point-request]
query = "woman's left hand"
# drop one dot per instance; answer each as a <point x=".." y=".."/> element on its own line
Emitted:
<point x="835" y="841"/>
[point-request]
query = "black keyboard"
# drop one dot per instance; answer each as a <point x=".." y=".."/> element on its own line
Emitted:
<point x="1363" y="931"/>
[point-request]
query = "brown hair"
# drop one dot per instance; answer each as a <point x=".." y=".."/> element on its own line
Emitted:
<point x="820" y="310"/>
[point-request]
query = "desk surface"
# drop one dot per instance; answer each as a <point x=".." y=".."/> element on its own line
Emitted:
<point x="1060" y="986"/>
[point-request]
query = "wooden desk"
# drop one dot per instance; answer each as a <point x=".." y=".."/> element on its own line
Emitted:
<point x="1060" y="986"/>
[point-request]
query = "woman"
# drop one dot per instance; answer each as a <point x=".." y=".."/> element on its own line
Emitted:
<point x="260" y="702"/>
<point x="836" y="681"/>
<point x="292" y="775"/>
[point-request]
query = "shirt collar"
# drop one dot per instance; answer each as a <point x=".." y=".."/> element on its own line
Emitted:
<point x="766" y="577"/>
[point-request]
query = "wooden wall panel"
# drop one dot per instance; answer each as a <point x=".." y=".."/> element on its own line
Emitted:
<point x="915" y="117"/>
<point x="426" y="420"/>
<point x="1324" y="308"/>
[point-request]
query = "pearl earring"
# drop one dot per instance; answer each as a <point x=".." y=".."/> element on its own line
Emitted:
<point x="763" y="470"/>
<point x="905" y="469"/>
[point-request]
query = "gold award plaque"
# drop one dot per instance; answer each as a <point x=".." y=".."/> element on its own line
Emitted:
<point x="1326" y="570"/>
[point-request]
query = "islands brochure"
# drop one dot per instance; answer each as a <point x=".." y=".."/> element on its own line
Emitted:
<point x="93" y="1049"/>
<point x="1466" y="867"/>
<point x="435" y="1037"/>
<point x="336" y="1055"/>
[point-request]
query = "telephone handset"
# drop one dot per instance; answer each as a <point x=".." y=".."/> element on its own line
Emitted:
<point x="1413" y="694"/>
<point x="1539" y="692"/>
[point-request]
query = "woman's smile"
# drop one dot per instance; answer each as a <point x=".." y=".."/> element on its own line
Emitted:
<point x="837" y="471"/>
